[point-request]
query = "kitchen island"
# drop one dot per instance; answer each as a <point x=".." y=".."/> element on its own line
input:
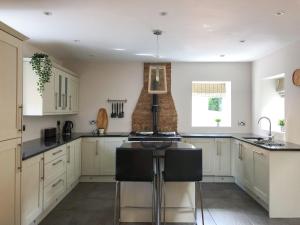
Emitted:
<point x="136" y="197"/>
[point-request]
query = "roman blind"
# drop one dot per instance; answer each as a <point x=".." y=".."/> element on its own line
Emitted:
<point x="208" y="88"/>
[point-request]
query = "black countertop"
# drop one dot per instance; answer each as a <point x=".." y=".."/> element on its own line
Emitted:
<point x="38" y="146"/>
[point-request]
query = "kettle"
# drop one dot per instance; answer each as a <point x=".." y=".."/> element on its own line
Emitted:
<point x="67" y="129"/>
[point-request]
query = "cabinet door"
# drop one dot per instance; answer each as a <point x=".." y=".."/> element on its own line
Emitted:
<point x="70" y="164"/>
<point x="223" y="157"/>
<point x="10" y="170"/>
<point x="108" y="154"/>
<point x="247" y="166"/>
<point x="208" y="147"/>
<point x="10" y="87"/>
<point x="73" y="95"/>
<point x="49" y="96"/>
<point x="32" y="189"/>
<point x="261" y="173"/>
<point x="60" y="90"/>
<point x="90" y="157"/>
<point x="77" y="145"/>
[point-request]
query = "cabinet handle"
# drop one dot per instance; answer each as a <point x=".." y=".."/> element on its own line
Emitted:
<point x="69" y="152"/>
<point x="54" y="185"/>
<point x="66" y="101"/>
<point x="56" y="96"/>
<point x="19" y="118"/>
<point x="63" y="101"/>
<point x="55" y="153"/>
<point x="70" y="103"/>
<point x="55" y="163"/>
<point x="240" y="152"/>
<point x="19" y="163"/>
<point x="42" y="169"/>
<point x="97" y="143"/>
<point x="258" y="153"/>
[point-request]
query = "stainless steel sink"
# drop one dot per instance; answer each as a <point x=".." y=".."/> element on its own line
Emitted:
<point x="262" y="141"/>
<point x="253" y="138"/>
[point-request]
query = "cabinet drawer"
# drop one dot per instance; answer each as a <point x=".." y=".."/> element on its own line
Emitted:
<point x="54" y="190"/>
<point x="55" y="153"/>
<point x="54" y="169"/>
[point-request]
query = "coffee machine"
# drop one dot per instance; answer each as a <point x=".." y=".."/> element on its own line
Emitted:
<point x="67" y="129"/>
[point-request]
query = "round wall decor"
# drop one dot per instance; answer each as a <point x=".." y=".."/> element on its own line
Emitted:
<point x="296" y="77"/>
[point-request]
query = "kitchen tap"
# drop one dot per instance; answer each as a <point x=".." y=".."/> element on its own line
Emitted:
<point x="270" y="137"/>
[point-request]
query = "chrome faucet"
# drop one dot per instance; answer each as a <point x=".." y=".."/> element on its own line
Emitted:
<point x="270" y="137"/>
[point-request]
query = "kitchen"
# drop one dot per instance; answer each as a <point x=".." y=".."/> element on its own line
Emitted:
<point x="217" y="92"/>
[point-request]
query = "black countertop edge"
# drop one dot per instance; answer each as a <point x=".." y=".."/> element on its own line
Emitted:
<point x="37" y="146"/>
<point x="240" y="136"/>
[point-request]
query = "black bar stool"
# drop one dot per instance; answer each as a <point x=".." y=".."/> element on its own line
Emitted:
<point x="133" y="166"/>
<point x="184" y="166"/>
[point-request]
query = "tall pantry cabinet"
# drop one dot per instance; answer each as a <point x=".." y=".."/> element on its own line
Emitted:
<point x="11" y="124"/>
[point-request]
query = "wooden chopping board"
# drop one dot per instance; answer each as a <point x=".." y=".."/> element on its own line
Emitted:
<point x="102" y="119"/>
<point x="296" y="77"/>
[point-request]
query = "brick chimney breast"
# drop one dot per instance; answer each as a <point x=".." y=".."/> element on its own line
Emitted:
<point x="142" y="114"/>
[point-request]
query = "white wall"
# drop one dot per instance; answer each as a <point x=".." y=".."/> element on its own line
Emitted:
<point x="240" y="76"/>
<point x="34" y="124"/>
<point x="99" y="81"/>
<point x="285" y="60"/>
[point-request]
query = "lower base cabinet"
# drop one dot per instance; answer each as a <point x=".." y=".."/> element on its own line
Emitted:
<point x="98" y="155"/>
<point x="46" y="179"/>
<point x="32" y="189"/>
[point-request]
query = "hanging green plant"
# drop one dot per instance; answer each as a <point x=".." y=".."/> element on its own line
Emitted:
<point x="42" y="66"/>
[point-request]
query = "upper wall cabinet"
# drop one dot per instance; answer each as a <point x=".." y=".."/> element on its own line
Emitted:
<point x="60" y="96"/>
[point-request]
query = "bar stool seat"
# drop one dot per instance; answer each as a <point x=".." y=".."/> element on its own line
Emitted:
<point x="184" y="166"/>
<point x="133" y="166"/>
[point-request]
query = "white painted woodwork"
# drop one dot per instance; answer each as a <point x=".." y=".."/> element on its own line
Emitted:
<point x="77" y="146"/>
<point x="216" y="154"/>
<point x="10" y="87"/>
<point x="208" y="147"/>
<point x="261" y="173"/>
<point x="222" y="166"/>
<point x="55" y="153"/>
<point x="71" y="169"/>
<point x="98" y="155"/>
<point x="247" y="166"/>
<point x="32" y="189"/>
<point x="56" y="97"/>
<point x="10" y="173"/>
<point x="55" y="168"/>
<point x="54" y="190"/>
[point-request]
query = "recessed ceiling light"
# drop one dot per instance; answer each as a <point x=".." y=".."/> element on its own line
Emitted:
<point x="144" y="54"/>
<point x="205" y="25"/>
<point x="242" y="41"/>
<point x="222" y="55"/>
<point x="119" y="49"/>
<point x="76" y="41"/>
<point x="163" y="13"/>
<point x="280" y="13"/>
<point x="48" y="13"/>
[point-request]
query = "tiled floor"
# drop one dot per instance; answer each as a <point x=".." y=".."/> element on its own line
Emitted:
<point x="225" y="204"/>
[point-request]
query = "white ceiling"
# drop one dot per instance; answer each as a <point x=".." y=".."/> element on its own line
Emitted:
<point x="193" y="30"/>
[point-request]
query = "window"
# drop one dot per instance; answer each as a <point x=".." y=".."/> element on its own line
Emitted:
<point x="211" y="103"/>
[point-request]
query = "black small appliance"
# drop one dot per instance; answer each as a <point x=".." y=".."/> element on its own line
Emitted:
<point x="67" y="129"/>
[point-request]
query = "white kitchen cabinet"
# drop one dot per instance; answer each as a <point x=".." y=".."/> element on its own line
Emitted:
<point x="71" y="170"/>
<point x="98" y="155"/>
<point x="261" y="173"/>
<point x="90" y="157"/>
<point x="10" y="86"/>
<point x="57" y="96"/>
<point x="216" y="155"/>
<point x="32" y="189"/>
<point x="208" y="147"/>
<point x="223" y="157"/>
<point x="77" y="146"/>
<point x="10" y="171"/>
<point x="247" y="166"/>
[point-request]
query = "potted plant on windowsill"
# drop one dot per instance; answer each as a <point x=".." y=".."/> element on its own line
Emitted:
<point x="281" y="123"/>
<point x="218" y="121"/>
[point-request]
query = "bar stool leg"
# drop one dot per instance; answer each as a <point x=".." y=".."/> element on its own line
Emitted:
<point x="164" y="199"/>
<point x="201" y="202"/>
<point x="116" y="217"/>
<point x="153" y="200"/>
<point x="196" y="203"/>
